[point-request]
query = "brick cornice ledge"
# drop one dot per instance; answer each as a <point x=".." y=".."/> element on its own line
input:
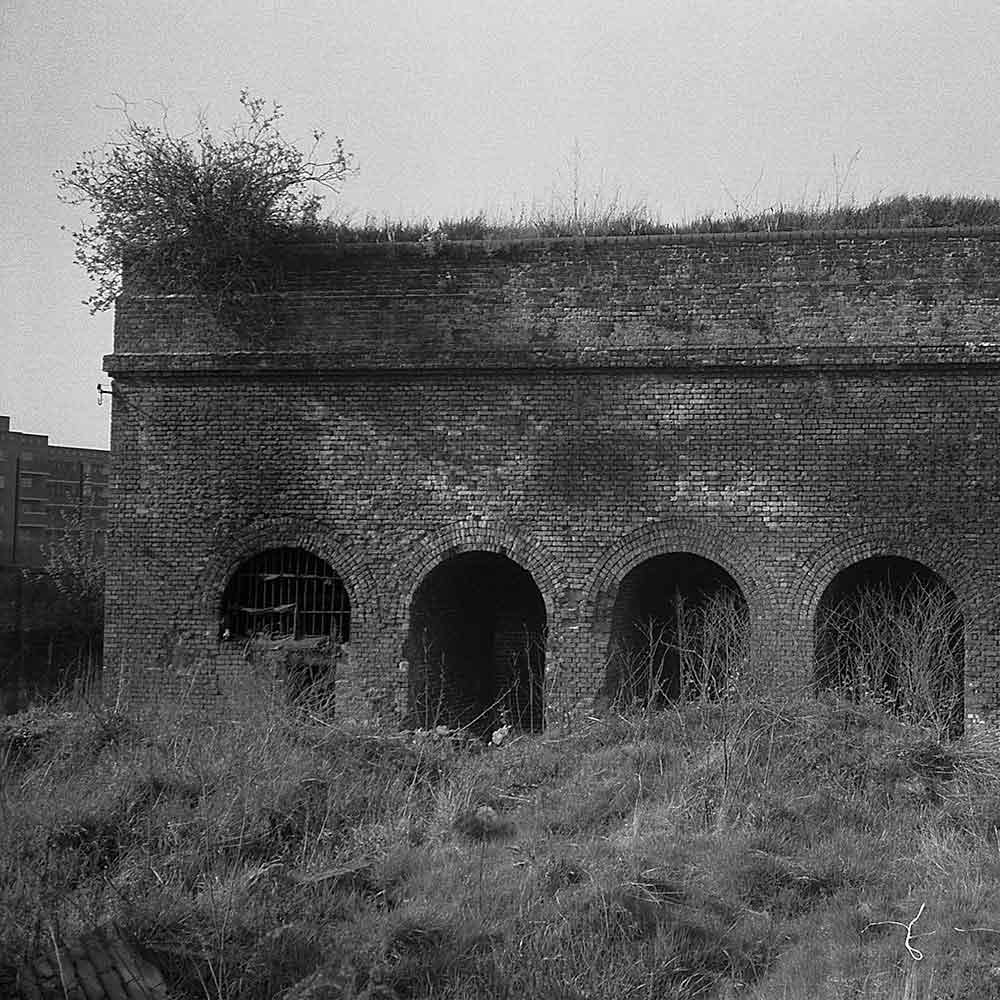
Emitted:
<point x="856" y="357"/>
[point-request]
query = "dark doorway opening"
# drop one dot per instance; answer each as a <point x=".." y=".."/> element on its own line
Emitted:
<point x="890" y="630"/>
<point x="476" y="645"/>
<point x="679" y="630"/>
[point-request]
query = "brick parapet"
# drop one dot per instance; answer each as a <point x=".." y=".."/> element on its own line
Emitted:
<point x="714" y="290"/>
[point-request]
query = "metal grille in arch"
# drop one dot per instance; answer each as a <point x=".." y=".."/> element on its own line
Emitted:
<point x="286" y="592"/>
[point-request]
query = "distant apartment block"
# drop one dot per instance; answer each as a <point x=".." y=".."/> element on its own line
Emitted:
<point x="43" y="489"/>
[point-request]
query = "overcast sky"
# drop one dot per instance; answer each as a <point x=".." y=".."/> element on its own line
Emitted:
<point x="452" y="108"/>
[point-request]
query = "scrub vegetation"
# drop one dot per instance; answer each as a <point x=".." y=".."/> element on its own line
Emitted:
<point x="750" y="845"/>
<point x="197" y="213"/>
<point x="609" y="216"/>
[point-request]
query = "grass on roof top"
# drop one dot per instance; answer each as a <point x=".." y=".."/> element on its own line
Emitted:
<point x="614" y="219"/>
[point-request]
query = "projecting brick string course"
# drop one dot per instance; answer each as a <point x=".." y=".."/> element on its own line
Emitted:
<point x="782" y="404"/>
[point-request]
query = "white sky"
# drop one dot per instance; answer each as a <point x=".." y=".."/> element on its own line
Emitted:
<point x="453" y="108"/>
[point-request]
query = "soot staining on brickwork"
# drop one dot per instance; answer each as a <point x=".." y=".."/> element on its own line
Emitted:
<point x="891" y="630"/>
<point x="679" y="630"/>
<point x="476" y="645"/>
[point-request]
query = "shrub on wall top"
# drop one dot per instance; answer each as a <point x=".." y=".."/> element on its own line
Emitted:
<point x="196" y="214"/>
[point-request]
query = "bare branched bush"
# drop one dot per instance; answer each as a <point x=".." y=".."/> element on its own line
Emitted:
<point x="701" y="655"/>
<point x="901" y="648"/>
<point x="429" y="686"/>
<point x="442" y="696"/>
<point x="526" y="694"/>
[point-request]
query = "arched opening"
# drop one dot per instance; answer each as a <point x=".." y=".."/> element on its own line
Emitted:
<point x="291" y="609"/>
<point x="889" y="629"/>
<point x="476" y="645"/>
<point x="679" y="630"/>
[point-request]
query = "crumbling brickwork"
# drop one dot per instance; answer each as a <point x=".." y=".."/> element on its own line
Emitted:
<point x="783" y="405"/>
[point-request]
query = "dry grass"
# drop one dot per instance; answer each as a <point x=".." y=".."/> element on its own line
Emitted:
<point x="600" y="215"/>
<point x="761" y="848"/>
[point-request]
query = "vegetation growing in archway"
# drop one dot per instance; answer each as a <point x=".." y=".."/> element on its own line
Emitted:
<point x="680" y="631"/>
<point x="890" y="631"/>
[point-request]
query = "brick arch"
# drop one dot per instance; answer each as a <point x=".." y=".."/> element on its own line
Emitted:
<point x="657" y="539"/>
<point x="944" y="559"/>
<point x="340" y="554"/>
<point x="437" y="547"/>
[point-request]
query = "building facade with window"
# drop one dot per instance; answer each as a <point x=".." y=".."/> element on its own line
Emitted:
<point x="45" y="488"/>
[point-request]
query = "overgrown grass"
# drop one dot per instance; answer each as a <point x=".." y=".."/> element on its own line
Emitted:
<point x="611" y="217"/>
<point x="755" y="847"/>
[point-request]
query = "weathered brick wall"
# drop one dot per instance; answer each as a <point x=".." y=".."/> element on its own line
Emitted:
<point x="784" y="405"/>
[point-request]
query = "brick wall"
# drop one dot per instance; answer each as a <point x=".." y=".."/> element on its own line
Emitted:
<point x="784" y="405"/>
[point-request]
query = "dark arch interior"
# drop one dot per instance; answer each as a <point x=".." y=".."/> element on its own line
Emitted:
<point x="890" y="629"/>
<point x="476" y="645"/>
<point x="677" y="625"/>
